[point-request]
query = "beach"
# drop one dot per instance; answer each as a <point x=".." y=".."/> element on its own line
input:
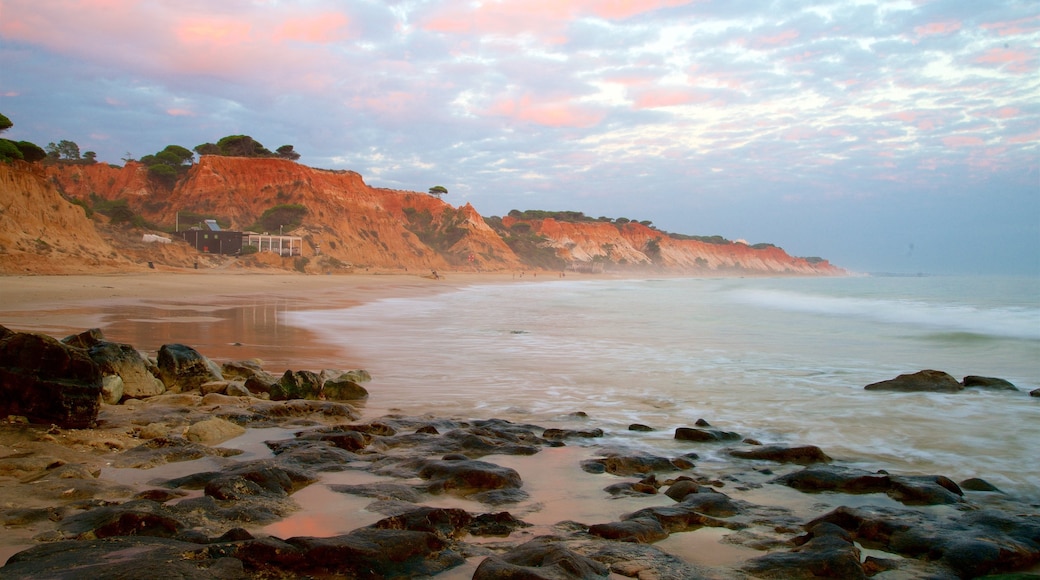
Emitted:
<point x="586" y="358"/>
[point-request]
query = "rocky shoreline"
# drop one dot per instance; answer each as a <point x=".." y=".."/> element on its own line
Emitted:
<point x="81" y="411"/>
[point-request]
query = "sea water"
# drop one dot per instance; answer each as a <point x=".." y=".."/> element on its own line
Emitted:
<point x="780" y="360"/>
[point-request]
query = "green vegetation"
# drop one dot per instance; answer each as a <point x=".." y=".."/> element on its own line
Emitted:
<point x="438" y="190"/>
<point x="168" y="165"/>
<point x="280" y="218"/>
<point x="706" y="239"/>
<point x="532" y="249"/>
<point x="814" y="259"/>
<point x="18" y="150"/>
<point x="244" y="146"/>
<point x="118" y="212"/>
<point x="440" y="234"/>
<point x="190" y="219"/>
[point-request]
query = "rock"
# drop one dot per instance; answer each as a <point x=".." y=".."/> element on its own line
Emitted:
<point x="343" y="389"/>
<point x="1034" y="393"/>
<point x="357" y="375"/>
<point x="122" y="557"/>
<point x="124" y="360"/>
<point x="468" y="476"/>
<point x="561" y="434"/>
<point x="977" y="484"/>
<point x="47" y="381"/>
<point x="632" y="560"/>
<point x="111" y="389"/>
<point x="381" y="491"/>
<point x="259" y="478"/>
<point x="297" y="385"/>
<point x="540" y="559"/>
<point x="246" y="369"/>
<point x="214" y="387"/>
<point x="644" y="530"/>
<point x="182" y="368"/>
<point x="161" y="450"/>
<point x="640" y="427"/>
<point x="827" y="551"/>
<point x="85" y="339"/>
<point x="213" y="431"/>
<point x="447" y="524"/>
<point x="134" y="518"/>
<point x="921" y="381"/>
<point x="910" y="490"/>
<point x="497" y="524"/>
<point x="991" y="383"/>
<point x="237" y="389"/>
<point x="624" y="465"/>
<point x="804" y="455"/>
<point x="694" y="434"/>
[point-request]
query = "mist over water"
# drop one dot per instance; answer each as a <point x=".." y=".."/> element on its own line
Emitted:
<point x="780" y="360"/>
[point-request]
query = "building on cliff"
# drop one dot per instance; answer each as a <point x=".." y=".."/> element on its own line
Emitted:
<point x="213" y="240"/>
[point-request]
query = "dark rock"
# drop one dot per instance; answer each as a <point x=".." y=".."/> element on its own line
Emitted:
<point x="977" y="484"/>
<point x="125" y="361"/>
<point x="496" y="524"/>
<point x="244" y="370"/>
<point x="921" y="381"/>
<point x="645" y="530"/>
<point x="540" y="559"/>
<point x="297" y="385"/>
<point x="640" y="427"/>
<point x="804" y="455"/>
<point x="372" y="553"/>
<point x="122" y="558"/>
<point x="702" y="423"/>
<point x="497" y="497"/>
<point x="704" y="435"/>
<point x="343" y="389"/>
<point x="162" y="450"/>
<point x="561" y="434"/>
<point x="910" y="490"/>
<point x="633" y="560"/>
<point x="924" y="490"/>
<point x="85" y="339"/>
<point x="630" y="488"/>
<point x="256" y="479"/>
<point x="182" y="368"/>
<point x="467" y="476"/>
<point x="134" y="518"/>
<point x="428" y="429"/>
<point x="1034" y="393"/>
<point x="991" y="383"/>
<point x="827" y="551"/>
<point x="682" y="488"/>
<point x="382" y="491"/>
<point x="447" y="524"/>
<point x="635" y="464"/>
<point x="47" y="382"/>
<point x="301" y="408"/>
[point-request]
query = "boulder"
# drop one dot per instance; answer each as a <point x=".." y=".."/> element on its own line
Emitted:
<point x="357" y="375"/>
<point x="644" y="530"/>
<point x="540" y="559"/>
<point x="182" y="368"/>
<point x="445" y="523"/>
<point x="921" y="381"/>
<point x="85" y="339"/>
<point x="625" y="465"/>
<point x="804" y="455"/>
<point x="561" y="434"/>
<point x="111" y="389"/>
<point x="468" y="476"/>
<point x="115" y="358"/>
<point x="342" y="389"/>
<point x="705" y="435"/>
<point x="47" y="381"/>
<point x="211" y="431"/>
<point x="827" y="551"/>
<point x="910" y="490"/>
<point x="134" y="518"/>
<point x="297" y="385"/>
<point x="1034" y="393"/>
<point x="991" y="383"/>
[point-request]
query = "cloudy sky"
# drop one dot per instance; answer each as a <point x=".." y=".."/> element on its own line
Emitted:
<point x="887" y="136"/>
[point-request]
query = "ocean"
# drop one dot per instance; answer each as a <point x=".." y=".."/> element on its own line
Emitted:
<point x="780" y="360"/>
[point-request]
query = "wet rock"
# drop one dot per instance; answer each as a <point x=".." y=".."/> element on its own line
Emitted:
<point x="447" y="524"/>
<point x="704" y="435"/>
<point x="382" y="491"/>
<point x="85" y="339"/>
<point x="134" y="518"/>
<point x="124" y="361"/>
<point x="990" y="383"/>
<point x="495" y="524"/>
<point x="182" y="368"/>
<point x="921" y="381"/>
<point x="910" y="490"/>
<point x="256" y="479"/>
<point x="644" y="530"/>
<point x="1034" y="393"/>
<point x="122" y="558"/>
<point x="561" y="434"/>
<point x="343" y="389"/>
<point x="803" y="455"/>
<point x="977" y="484"/>
<point x="246" y="369"/>
<point x="468" y="476"/>
<point x="111" y="389"/>
<point x="297" y="385"/>
<point x="645" y="486"/>
<point x="162" y="450"/>
<point x="634" y="560"/>
<point x="212" y="431"/>
<point x="363" y="553"/>
<point x="640" y="427"/>
<point x="636" y="463"/>
<point x="827" y="551"/>
<point x="540" y="559"/>
<point x="356" y="375"/>
<point x="343" y="438"/>
<point x="277" y="410"/>
<point x="316" y="456"/>
<point x="47" y="381"/>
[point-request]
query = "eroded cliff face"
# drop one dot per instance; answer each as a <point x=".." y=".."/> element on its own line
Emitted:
<point x="350" y="224"/>
<point x="41" y="232"/>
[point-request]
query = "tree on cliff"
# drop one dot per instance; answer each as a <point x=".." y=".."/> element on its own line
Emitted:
<point x="169" y="164"/>
<point x="14" y="150"/>
<point x="438" y="190"/>
<point x="286" y="152"/>
<point x="65" y="150"/>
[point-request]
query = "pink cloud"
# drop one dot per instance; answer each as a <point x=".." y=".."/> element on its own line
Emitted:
<point x="180" y="113"/>
<point x="550" y="113"/>
<point x="1018" y="61"/>
<point x="1014" y="27"/>
<point x="935" y="28"/>
<point x="955" y="141"/>
<point x="1025" y="138"/>
<point x="777" y="40"/>
<point x="656" y="98"/>
<point x="319" y="29"/>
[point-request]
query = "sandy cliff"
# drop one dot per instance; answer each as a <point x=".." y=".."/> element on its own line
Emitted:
<point x="347" y="225"/>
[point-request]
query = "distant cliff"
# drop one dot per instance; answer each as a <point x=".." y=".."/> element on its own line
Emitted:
<point x="345" y="224"/>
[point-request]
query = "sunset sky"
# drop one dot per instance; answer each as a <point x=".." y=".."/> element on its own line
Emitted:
<point x="886" y="136"/>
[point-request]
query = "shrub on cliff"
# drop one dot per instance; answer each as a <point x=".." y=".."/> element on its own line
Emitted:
<point x="280" y="218"/>
<point x="18" y="150"/>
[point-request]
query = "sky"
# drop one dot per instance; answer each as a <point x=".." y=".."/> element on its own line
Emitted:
<point x="894" y="136"/>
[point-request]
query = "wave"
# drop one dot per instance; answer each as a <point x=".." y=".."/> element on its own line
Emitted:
<point x="953" y="319"/>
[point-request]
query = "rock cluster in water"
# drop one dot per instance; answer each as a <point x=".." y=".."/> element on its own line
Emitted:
<point x="205" y="524"/>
